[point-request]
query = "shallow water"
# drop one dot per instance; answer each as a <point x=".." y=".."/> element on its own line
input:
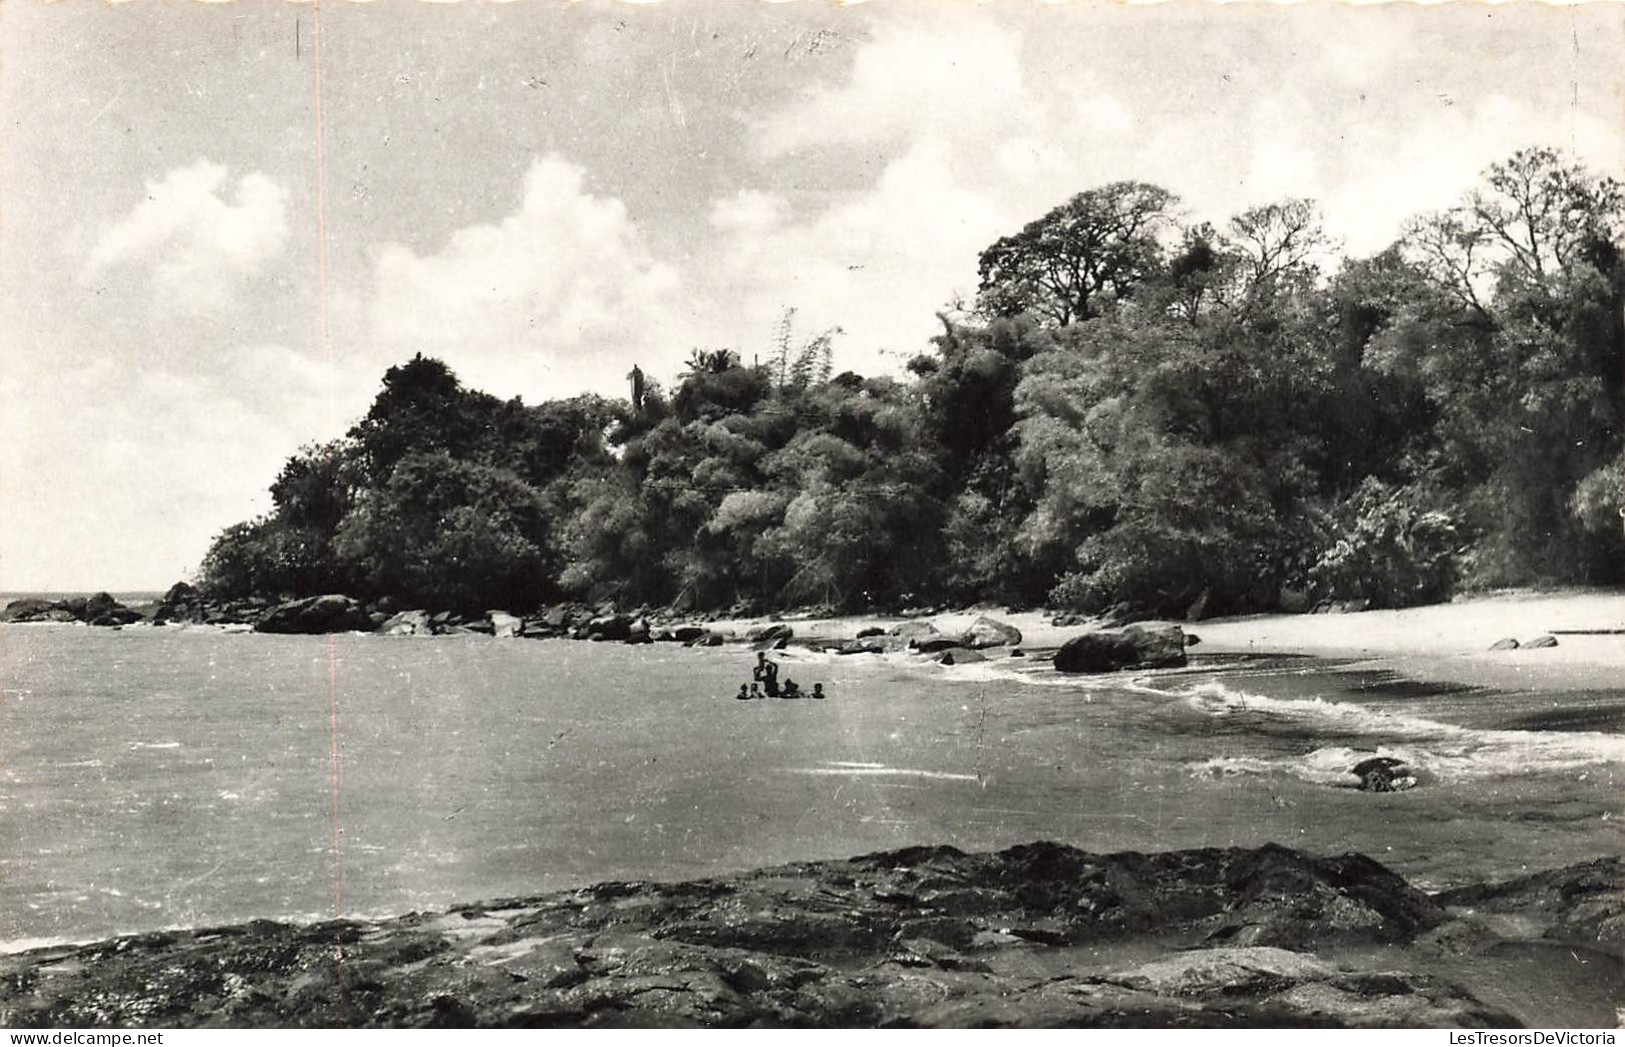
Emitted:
<point x="161" y="777"/>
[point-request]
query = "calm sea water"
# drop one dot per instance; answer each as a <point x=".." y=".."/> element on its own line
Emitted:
<point x="163" y="777"/>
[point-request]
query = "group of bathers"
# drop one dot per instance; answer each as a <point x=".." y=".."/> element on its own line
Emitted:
<point x="765" y="684"/>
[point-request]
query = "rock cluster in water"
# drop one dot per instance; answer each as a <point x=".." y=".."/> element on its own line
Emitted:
<point x="1037" y="935"/>
<point x="100" y="609"/>
<point x="922" y="637"/>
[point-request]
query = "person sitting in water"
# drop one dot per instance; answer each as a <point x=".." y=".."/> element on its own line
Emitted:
<point x="744" y="693"/>
<point x="767" y="673"/>
<point x="818" y="690"/>
<point x="791" y="689"/>
<point x="755" y="691"/>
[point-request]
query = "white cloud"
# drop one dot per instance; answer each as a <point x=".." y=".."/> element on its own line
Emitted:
<point x="748" y="211"/>
<point x="951" y="72"/>
<point x="1441" y="157"/>
<point x="564" y="281"/>
<point x="1102" y="112"/>
<point x="879" y="263"/>
<point x="174" y="457"/>
<point x="198" y="243"/>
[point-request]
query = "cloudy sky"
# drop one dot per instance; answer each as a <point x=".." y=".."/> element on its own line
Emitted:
<point x="544" y="194"/>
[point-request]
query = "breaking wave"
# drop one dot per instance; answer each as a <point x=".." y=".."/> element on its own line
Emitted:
<point x="1441" y="751"/>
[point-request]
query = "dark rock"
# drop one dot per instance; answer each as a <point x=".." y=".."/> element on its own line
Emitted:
<point x="1384" y="774"/>
<point x="961" y="656"/>
<point x="609" y="627"/>
<point x="987" y="632"/>
<point x="873" y="630"/>
<point x="27" y="610"/>
<point x="1293" y="601"/>
<point x="1508" y="644"/>
<point x="688" y="633"/>
<point x="1582" y="904"/>
<point x="938" y="642"/>
<point x="924" y="937"/>
<point x="316" y="614"/>
<point x="100" y="609"/>
<point x="407" y="623"/>
<point x="1016" y="652"/>
<point x="117" y="617"/>
<point x="1191" y="639"/>
<point x="769" y="633"/>
<point x="1539" y="642"/>
<point x="913" y="631"/>
<point x="98" y="605"/>
<point x="1137" y="646"/>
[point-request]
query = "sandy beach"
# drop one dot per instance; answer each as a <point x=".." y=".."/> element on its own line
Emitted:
<point x="1443" y="643"/>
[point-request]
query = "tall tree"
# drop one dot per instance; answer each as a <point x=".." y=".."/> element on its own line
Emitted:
<point x="1096" y="247"/>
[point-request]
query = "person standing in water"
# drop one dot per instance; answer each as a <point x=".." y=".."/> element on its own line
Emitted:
<point x="767" y="674"/>
<point x="818" y="690"/>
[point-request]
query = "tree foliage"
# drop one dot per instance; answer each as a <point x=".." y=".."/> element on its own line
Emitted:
<point x="1141" y="416"/>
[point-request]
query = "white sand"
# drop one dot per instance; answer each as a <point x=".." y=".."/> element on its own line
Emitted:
<point x="1450" y="642"/>
<point x="1445" y="642"/>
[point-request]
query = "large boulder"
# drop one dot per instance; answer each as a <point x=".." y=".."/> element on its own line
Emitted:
<point x="102" y="609"/>
<point x="609" y="627"/>
<point x="1384" y="774"/>
<point x="27" y="611"/>
<point x="316" y="614"/>
<point x="987" y="632"/>
<point x="913" y="631"/>
<point x="1135" y="647"/>
<point x="182" y="603"/>
<point x="407" y="623"/>
<point x="769" y="633"/>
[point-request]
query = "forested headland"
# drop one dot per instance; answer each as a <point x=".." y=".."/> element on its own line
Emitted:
<point x="1136" y="414"/>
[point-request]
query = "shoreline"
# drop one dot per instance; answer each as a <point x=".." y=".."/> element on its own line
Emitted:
<point x="1446" y="643"/>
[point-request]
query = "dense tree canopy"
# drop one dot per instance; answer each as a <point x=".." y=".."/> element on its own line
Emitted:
<point x="1142" y="416"/>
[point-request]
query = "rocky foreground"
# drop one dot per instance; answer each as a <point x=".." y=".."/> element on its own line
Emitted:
<point x="1038" y="935"/>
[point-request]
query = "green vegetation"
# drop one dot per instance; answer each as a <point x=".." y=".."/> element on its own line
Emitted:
<point x="1139" y="415"/>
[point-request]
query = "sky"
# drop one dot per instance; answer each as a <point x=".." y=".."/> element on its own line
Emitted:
<point x="544" y="194"/>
